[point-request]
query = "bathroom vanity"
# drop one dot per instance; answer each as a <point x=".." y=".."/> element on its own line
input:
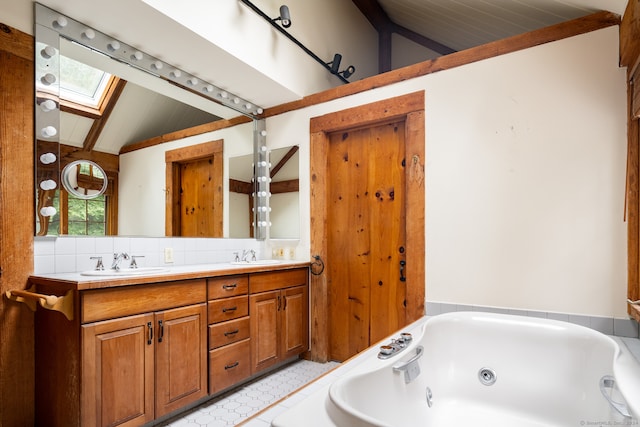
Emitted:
<point x="140" y="347"/>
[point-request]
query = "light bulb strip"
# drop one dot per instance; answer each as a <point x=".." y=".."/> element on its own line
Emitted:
<point x="120" y="51"/>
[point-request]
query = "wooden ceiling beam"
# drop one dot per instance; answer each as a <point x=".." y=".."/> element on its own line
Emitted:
<point x="109" y="104"/>
<point x="376" y="15"/>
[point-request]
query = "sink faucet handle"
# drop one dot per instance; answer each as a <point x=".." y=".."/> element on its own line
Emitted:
<point x="253" y="255"/>
<point x="99" y="264"/>
<point x="133" y="263"/>
<point x="237" y="258"/>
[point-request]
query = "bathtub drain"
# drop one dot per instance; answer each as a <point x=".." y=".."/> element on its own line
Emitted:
<point x="487" y="376"/>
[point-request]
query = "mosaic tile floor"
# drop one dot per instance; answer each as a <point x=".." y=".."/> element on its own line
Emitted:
<point x="238" y="405"/>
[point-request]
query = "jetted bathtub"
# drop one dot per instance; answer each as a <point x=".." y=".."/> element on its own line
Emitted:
<point x="494" y="370"/>
<point x="484" y="369"/>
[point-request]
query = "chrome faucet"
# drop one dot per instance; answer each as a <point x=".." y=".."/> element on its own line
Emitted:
<point x="246" y="253"/>
<point x="117" y="259"/>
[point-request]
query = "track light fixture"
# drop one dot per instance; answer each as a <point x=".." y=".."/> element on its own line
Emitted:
<point x="285" y="16"/>
<point x="334" y="66"/>
<point x="285" y="20"/>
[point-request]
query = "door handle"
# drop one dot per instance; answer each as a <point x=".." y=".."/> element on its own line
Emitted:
<point x="160" y="331"/>
<point x="149" y="333"/>
<point x="403" y="278"/>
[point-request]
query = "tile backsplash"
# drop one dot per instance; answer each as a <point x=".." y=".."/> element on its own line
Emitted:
<point x="73" y="254"/>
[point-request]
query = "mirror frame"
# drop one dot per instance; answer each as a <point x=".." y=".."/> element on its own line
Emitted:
<point x="50" y="25"/>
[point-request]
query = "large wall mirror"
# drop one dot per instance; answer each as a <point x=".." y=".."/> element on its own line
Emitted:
<point x="117" y="116"/>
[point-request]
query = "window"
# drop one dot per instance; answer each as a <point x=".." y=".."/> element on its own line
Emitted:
<point x="79" y="217"/>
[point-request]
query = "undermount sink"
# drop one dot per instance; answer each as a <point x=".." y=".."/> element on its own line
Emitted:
<point x="125" y="271"/>
<point x="257" y="262"/>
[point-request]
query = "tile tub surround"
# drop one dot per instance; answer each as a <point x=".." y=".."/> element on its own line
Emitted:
<point x="620" y="327"/>
<point x="309" y="402"/>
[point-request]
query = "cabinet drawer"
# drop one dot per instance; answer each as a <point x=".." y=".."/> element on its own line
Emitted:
<point x="270" y="281"/>
<point x="228" y="332"/>
<point x="109" y="303"/>
<point x="228" y="308"/>
<point x="227" y="286"/>
<point x="229" y="365"/>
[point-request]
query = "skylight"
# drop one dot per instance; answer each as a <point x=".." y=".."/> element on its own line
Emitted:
<point x="81" y="83"/>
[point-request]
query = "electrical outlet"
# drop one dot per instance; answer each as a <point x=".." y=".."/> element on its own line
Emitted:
<point x="168" y="255"/>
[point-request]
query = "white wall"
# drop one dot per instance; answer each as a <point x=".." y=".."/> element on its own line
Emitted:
<point x="525" y="177"/>
<point x="141" y="189"/>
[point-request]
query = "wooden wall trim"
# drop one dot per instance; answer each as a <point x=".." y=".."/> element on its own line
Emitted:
<point x="629" y="57"/>
<point x="17" y="214"/>
<point x="184" y="133"/>
<point x="595" y="21"/>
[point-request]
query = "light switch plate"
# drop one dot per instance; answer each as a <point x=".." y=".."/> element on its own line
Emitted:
<point x="168" y="255"/>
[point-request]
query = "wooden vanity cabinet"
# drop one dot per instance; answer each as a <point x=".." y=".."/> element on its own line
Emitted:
<point x="229" y="340"/>
<point x="140" y="353"/>
<point x="278" y="303"/>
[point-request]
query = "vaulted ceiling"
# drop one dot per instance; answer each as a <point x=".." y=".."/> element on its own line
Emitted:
<point x="446" y="26"/>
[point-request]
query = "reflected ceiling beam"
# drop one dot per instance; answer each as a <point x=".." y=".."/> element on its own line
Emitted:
<point x="376" y="15"/>
<point x="111" y="99"/>
<point x="284" y="160"/>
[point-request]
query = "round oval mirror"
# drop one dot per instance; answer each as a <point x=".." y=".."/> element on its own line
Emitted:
<point x="84" y="179"/>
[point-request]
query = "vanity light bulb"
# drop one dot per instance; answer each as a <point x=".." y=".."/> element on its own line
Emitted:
<point x="48" y="105"/>
<point x="48" y="79"/>
<point x="236" y="100"/>
<point x="176" y="74"/>
<point x="137" y="55"/>
<point x="47" y="158"/>
<point x="48" y="211"/>
<point x="60" y="22"/>
<point x="89" y="34"/>
<point x="224" y="95"/>
<point x="49" y="131"/>
<point x="263" y="132"/>
<point x="113" y="45"/>
<point x="157" y="65"/>
<point x="192" y="81"/>
<point x="263" y="148"/>
<point x="248" y="106"/>
<point x="48" y="52"/>
<point x="48" y="184"/>
<point x="259" y="111"/>
<point x="208" y="88"/>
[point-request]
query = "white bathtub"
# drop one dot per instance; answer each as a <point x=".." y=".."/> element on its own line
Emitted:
<point x="547" y="373"/>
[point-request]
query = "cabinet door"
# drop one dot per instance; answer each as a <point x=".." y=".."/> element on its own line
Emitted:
<point x="118" y="372"/>
<point x="181" y="357"/>
<point x="294" y="321"/>
<point x="263" y="310"/>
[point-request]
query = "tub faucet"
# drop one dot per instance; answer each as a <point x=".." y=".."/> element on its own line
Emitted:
<point x="117" y="259"/>
<point x="411" y="368"/>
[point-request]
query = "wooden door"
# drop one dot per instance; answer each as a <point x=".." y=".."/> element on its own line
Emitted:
<point x="198" y="199"/>
<point x="366" y="236"/>
<point x="367" y="215"/>
<point x="195" y="191"/>
<point x="181" y="357"/>
<point x="118" y="372"/>
<point x="294" y="318"/>
<point x="264" y="308"/>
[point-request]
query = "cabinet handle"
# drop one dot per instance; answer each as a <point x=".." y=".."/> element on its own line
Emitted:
<point x="230" y="287"/>
<point x="224" y="310"/>
<point x="149" y="333"/>
<point x="233" y="365"/>
<point x="161" y="330"/>
<point x="284" y="303"/>
<point x="279" y="303"/>
<point x="226" y="334"/>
